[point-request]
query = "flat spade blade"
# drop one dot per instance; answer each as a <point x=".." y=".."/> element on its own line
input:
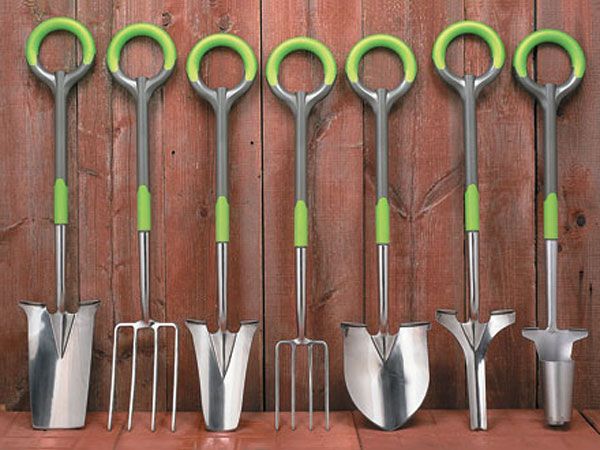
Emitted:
<point x="60" y="356"/>
<point x="387" y="375"/>
<point x="222" y="359"/>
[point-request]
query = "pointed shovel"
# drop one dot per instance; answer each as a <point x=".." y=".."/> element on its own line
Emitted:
<point x="554" y="345"/>
<point x="222" y="356"/>
<point x="60" y="343"/>
<point x="387" y="375"/>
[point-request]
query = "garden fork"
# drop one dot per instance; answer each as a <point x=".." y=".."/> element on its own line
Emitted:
<point x="142" y="89"/>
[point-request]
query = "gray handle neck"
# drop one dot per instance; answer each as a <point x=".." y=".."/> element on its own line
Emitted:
<point x="381" y="108"/>
<point x="550" y="106"/>
<point x="301" y="113"/>
<point x="469" y="97"/>
<point x="142" y="98"/>
<point x="222" y="117"/>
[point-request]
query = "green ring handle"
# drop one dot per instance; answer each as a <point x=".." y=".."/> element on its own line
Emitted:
<point x="34" y="41"/>
<point x="298" y="44"/>
<point x="548" y="36"/>
<point x="124" y="35"/>
<point x="231" y="41"/>
<point x="374" y="41"/>
<point x="457" y="29"/>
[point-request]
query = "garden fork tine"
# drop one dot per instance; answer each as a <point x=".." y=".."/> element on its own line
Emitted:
<point x="142" y="89"/>
<point x="301" y="105"/>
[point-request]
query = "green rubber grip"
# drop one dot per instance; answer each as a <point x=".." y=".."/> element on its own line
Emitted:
<point x="472" y="208"/>
<point x="144" y="209"/>
<point x="547" y="36"/>
<point x="32" y="47"/>
<point x="551" y="216"/>
<point x="382" y="221"/>
<point x="373" y="41"/>
<point x="235" y="43"/>
<point x="124" y="35"/>
<point x="298" y="44"/>
<point x="485" y="32"/>
<point x="61" y="202"/>
<point x="300" y="224"/>
<point x="222" y="220"/>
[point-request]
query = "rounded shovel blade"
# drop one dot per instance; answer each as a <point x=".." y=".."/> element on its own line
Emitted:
<point x="60" y="356"/>
<point x="387" y="385"/>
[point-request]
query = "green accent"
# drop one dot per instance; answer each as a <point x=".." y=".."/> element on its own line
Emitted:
<point x="551" y="216"/>
<point x="485" y="32"/>
<point x="124" y="35"/>
<point x="222" y="219"/>
<point x="144" y="210"/>
<point x="32" y="47"/>
<point x="472" y="208"/>
<point x="298" y="44"/>
<point x="235" y="43"/>
<point x="382" y="221"/>
<point x="373" y="41"/>
<point x="300" y="224"/>
<point x="549" y="37"/>
<point x="61" y="202"/>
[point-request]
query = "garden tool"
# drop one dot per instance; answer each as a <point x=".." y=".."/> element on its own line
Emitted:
<point x="301" y="104"/>
<point x="387" y="375"/>
<point x="554" y="345"/>
<point x="473" y="336"/>
<point x="60" y="343"/>
<point x="142" y="89"/>
<point x="222" y="356"/>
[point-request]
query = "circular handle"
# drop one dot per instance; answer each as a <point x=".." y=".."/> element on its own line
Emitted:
<point x="570" y="45"/>
<point x="113" y="53"/>
<point x="235" y="43"/>
<point x="485" y="32"/>
<point x="374" y="41"/>
<point x="298" y="44"/>
<point x="32" y="47"/>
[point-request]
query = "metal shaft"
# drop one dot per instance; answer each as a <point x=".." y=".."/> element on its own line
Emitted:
<point x="473" y="254"/>
<point x="60" y="255"/>
<point x="301" y="292"/>
<point x="475" y="362"/>
<point x="382" y="266"/>
<point x="551" y="271"/>
<point x="222" y="284"/>
<point x="144" y="249"/>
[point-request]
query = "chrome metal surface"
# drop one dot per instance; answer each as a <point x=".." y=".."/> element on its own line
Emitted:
<point x="301" y="340"/>
<point x="473" y="251"/>
<point x="145" y="324"/>
<point x="59" y="367"/>
<point x="387" y="375"/>
<point x="554" y="347"/>
<point x="474" y="338"/>
<point x="382" y="264"/>
<point x="60" y="249"/>
<point x="222" y="359"/>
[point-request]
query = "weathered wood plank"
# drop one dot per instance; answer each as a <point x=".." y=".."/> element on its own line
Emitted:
<point x="27" y="269"/>
<point x="506" y="185"/>
<point x="190" y="188"/>
<point x="578" y="193"/>
<point x="335" y="272"/>
<point x="94" y="135"/>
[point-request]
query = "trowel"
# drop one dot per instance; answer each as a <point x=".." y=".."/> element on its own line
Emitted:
<point x="387" y="375"/>
<point x="554" y="345"/>
<point x="222" y="356"/>
<point x="60" y="342"/>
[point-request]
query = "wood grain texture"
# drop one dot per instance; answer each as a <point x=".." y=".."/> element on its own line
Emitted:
<point x="334" y="183"/>
<point x="426" y="174"/>
<point x="578" y="189"/>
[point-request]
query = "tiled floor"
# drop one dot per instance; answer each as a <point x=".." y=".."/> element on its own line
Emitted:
<point x="429" y="429"/>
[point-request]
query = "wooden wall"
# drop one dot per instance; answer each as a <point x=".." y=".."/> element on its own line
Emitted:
<point x="426" y="178"/>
